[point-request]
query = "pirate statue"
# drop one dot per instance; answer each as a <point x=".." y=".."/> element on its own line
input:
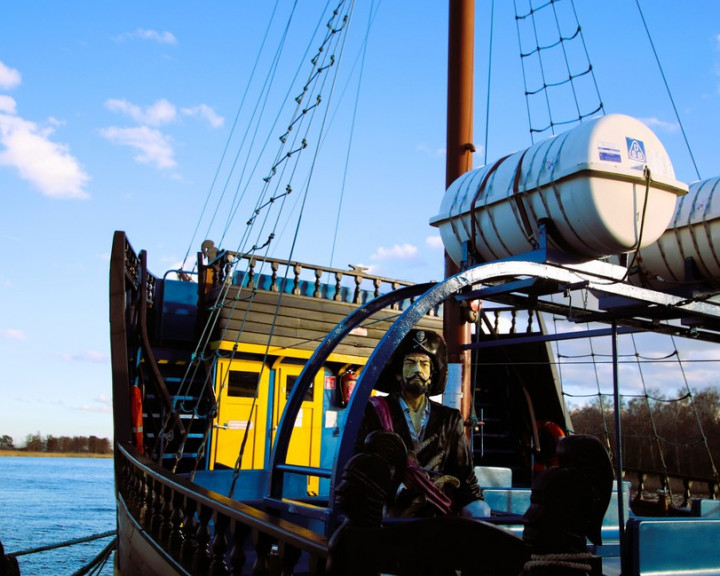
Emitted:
<point x="423" y="440"/>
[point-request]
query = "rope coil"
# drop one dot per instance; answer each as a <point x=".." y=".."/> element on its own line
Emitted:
<point x="579" y="562"/>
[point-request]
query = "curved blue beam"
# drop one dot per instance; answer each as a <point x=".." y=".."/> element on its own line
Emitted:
<point x="430" y="299"/>
<point x="316" y="362"/>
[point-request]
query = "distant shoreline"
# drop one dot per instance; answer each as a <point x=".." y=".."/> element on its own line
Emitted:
<point x="53" y="454"/>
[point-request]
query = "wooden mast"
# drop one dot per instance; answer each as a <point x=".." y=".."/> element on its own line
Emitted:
<point x="459" y="160"/>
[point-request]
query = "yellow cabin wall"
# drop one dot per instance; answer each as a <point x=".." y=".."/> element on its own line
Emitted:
<point x="241" y="415"/>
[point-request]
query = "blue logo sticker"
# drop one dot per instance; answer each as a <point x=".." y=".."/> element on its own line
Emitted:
<point x="636" y="150"/>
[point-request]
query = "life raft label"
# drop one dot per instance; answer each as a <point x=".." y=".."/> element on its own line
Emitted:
<point x="609" y="152"/>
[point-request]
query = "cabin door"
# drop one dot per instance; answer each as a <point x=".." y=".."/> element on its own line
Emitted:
<point x="241" y="388"/>
<point x="304" y="449"/>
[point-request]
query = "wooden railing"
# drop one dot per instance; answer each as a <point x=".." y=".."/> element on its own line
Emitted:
<point x="644" y="481"/>
<point x="354" y="286"/>
<point x="207" y="533"/>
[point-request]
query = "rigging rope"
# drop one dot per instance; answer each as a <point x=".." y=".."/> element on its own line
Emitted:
<point x="230" y="137"/>
<point x="333" y="31"/>
<point x="371" y="17"/>
<point x="653" y="425"/>
<point x="570" y="87"/>
<point x="697" y="418"/>
<point x="667" y="88"/>
<point x="295" y="138"/>
<point x="668" y="419"/>
<point x="489" y="77"/>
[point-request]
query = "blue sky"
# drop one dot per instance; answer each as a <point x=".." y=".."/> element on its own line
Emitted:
<point x="115" y="116"/>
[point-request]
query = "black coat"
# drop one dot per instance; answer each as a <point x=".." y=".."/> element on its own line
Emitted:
<point x="447" y="425"/>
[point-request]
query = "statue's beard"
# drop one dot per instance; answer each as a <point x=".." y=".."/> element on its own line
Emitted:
<point x="416" y="385"/>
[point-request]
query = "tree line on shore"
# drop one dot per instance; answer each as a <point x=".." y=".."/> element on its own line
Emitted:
<point x="59" y="444"/>
<point x="678" y="436"/>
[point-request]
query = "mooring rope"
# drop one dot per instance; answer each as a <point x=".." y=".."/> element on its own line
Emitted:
<point x="96" y="565"/>
<point x="63" y="544"/>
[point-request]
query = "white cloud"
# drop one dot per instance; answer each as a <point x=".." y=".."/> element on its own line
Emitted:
<point x="154" y="35"/>
<point x="7" y="105"/>
<point x="435" y="153"/>
<point x="434" y="242"/>
<point x="397" y="252"/>
<point x="658" y="124"/>
<point x="103" y="408"/>
<point x="204" y="111"/>
<point x="47" y="165"/>
<point x="12" y="334"/>
<point x="103" y="403"/>
<point x="154" y="147"/>
<point x="9" y="77"/>
<point x="92" y="356"/>
<point x="159" y="113"/>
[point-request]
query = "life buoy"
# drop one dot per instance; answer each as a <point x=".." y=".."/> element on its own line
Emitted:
<point x="549" y="434"/>
<point x="136" y="414"/>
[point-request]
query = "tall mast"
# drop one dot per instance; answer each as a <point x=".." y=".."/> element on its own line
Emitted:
<point x="459" y="160"/>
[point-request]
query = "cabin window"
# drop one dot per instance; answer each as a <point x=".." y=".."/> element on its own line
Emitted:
<point x="290" y="384"/>
<point x="242" y="384"/>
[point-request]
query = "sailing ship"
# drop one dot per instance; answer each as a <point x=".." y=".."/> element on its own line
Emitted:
<point x="240" y="383"/>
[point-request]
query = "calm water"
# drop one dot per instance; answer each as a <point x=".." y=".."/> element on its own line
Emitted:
<point x="50" y="500"/>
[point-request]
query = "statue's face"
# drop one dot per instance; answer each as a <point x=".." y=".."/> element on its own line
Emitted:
<point x="416" y="372"/>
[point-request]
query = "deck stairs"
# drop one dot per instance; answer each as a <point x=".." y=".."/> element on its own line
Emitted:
<point x="515" y="387"/>
<point x="189" y="403"/>
<point x="172" y="325"/>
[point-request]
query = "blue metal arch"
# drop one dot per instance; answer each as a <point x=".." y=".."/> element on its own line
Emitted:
<point x="316" y="362"/>
<point x="431" y="296"/>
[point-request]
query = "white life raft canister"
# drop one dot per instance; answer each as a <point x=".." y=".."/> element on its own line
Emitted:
<point x="694" y="232"/>
<point x="588" y="184"/>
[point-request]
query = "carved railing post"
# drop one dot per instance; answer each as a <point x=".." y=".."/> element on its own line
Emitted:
<point x="157" y="509"/>
<point x="201" y="559"/>
<point x="165" y="525"/>
<point x="178" y="533"/>
<point x="296" y="279"/>
<point x="338" y="288"/>
<point x="317" y="565"/>
<point x="713" y="489"/>
<point x="147" y="507"/>
<point x="189" y="546"/>
<point x="138" y="501"/>
<point x="356" y="296"/>
<point x="318" y="285"/>
<point x="274" y="278"/>
<point x="251" y="274"/>
<point x="289" y="556"/>
<point x="687" y="485"/>
<point x="376" y="284"/>
<point x="130" y="489"/>
<point x="641" y="485"/>
<point x="218" y="548"/>
<point x="263" y="546"/>
<point x="237" y="555"/>
<point x="142" y="498"/>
